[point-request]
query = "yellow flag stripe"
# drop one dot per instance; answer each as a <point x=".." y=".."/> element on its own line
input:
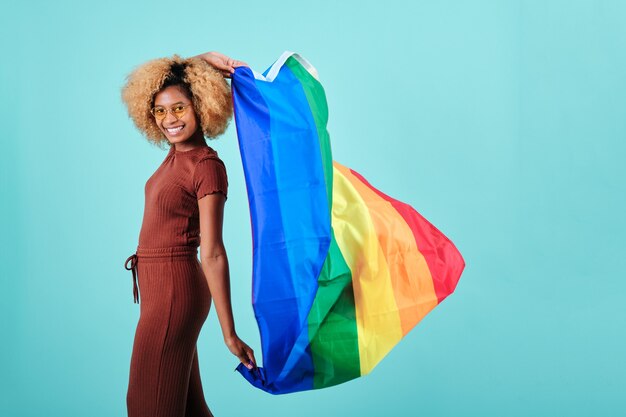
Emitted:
<point x="378" y="323"/>
<point x="410" y="276"/>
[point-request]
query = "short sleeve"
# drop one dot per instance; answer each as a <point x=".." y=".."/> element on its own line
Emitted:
<point x="210" y="177"/>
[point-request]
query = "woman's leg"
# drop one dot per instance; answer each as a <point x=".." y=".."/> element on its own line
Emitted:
<point x="151" y="332"/>
<point x="175" y="303"/>
<point x="196" y="403"/>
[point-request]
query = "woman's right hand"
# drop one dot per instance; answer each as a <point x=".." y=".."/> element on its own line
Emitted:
<point x="240" y="349"/>
<point x="221" y="62"/>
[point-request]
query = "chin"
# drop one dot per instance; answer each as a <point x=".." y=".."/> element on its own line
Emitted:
<point x="176" y="140"/>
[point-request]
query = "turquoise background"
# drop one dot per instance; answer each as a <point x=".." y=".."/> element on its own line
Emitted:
<point x="502" y="122"/>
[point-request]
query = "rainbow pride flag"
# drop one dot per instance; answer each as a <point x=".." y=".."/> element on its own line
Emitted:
<point x="341" y="271"/>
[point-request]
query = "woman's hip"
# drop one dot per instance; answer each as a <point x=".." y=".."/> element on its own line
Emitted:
<point x="171" y="277"/>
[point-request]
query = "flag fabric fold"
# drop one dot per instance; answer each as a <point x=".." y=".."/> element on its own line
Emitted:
<point x="341" y="271"/>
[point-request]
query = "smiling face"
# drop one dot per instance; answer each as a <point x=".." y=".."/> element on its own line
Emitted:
<point x="176" y="128"/>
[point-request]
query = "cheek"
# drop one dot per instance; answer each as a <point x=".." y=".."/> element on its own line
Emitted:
<point x="193" y="121"/>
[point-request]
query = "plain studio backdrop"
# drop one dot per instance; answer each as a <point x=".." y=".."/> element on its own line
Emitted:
<point x="501" y="122"/>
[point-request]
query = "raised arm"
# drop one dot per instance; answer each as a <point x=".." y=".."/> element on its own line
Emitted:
<point x="221" y="62"/>
<point x="215" y="267"/>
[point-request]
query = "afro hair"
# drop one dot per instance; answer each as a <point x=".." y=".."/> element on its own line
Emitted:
<point x="210" y="94"/>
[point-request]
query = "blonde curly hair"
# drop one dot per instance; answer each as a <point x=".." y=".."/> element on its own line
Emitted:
<point x="208" y="90"/>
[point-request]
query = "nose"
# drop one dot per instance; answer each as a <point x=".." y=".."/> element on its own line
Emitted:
<point x="169" y="118"/>
<point x="133" y="267"/>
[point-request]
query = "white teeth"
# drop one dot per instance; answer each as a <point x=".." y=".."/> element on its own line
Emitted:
<point x="175" y="129"/>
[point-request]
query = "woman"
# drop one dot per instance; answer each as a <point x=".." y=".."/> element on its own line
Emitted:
<point x="177" y="102"/>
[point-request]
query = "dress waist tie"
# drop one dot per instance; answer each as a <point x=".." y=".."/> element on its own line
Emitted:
<point x="133" y="266"/>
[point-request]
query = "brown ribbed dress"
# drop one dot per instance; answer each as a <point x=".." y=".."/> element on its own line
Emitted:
<point x="164" y="378"/>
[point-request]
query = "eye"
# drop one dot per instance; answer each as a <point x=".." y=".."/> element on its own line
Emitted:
<point x="158" y="111"/>
<point x="178" y="109"/>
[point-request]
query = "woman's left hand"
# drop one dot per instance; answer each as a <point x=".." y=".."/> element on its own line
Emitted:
<point x="222" y="63"/>
<point x="240" y="349"/>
